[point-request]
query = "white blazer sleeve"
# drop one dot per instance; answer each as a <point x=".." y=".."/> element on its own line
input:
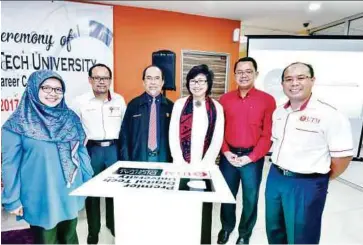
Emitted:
<point x="217" y="139"/>
<point x="174" y="139"/>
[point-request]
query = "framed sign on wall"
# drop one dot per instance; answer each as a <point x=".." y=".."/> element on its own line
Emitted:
<point x="217" y="62"/>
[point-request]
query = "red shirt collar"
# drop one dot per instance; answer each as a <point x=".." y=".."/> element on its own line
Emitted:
<point x="250" y="92"/>
<point x="302" y="107"/>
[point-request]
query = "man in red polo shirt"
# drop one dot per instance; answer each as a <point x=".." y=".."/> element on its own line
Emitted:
<point x="247" y="139"/>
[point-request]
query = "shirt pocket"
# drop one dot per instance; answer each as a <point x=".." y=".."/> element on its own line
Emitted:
<point x="89" y="113"/>
<point x="255" y="115"/>
<point x="136" y="120"/>
<point x="277" y="129"/>
<point x="309" y="135"/>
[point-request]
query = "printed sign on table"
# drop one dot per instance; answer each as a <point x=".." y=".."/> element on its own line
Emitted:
<point x="162" y="179"/>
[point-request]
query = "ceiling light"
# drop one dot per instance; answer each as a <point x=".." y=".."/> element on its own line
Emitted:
<point x="314" y="6"/>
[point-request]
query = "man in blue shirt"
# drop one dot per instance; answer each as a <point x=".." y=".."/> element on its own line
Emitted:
<point x="144" y="131"/>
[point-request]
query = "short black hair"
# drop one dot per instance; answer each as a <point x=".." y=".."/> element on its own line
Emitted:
<point x="144" y="72"/>
<point x="200" y="69"/>
<point x="99" y="65"/>
<point x="310" y="67"/>
<point x="245" y="59"/>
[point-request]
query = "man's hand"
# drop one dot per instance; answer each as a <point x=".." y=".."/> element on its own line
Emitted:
<point x="244" y="160"/>
<point x="232" y="158"/>
<point x="18" y="211"/>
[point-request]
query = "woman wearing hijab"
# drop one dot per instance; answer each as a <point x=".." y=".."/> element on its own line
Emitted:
<point x="43" y="160"/>
<point x="196" y="130"/>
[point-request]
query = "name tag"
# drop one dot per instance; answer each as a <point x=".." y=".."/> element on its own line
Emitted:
<point x="114" y="111"/>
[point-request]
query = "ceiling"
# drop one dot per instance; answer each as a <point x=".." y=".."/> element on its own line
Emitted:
<point x="259" y="17"/>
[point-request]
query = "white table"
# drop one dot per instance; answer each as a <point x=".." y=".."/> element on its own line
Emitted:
<point x="161" y="213"/>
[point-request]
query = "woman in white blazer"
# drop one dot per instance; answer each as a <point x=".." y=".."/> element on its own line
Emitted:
<point x="196" y="130"/>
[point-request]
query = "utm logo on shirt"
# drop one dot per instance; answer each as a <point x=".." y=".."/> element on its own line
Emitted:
<point x="309" y="119"/>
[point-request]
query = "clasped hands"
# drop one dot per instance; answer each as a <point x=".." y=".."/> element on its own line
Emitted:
<point x="237" y="161"/>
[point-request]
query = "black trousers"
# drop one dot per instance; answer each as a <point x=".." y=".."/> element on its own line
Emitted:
<point x="64" y="233"/>
<point x="206" y="237"/>
<point x="101" y="158"/>
<point x="93" y="208"/>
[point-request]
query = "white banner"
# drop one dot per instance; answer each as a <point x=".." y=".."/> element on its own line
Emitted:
<point x="66" y="37"/>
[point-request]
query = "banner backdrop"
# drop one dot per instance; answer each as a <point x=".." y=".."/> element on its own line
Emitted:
<point x="66" y="37"/>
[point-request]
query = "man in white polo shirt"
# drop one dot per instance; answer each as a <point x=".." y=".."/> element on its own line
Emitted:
<point x="312" y="143"/>
<point x="101" y="112"/>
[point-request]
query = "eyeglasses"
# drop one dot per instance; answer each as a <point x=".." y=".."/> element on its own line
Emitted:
<point x="300" y="78"/>
<point x="199" y="82"/>
<point x="99" y="79"/>
<point x="150" y="78"/>
<point x="247" y="72"/>
<point x="48" y="90"/>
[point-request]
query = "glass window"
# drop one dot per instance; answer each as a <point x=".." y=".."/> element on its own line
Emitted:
<point x="333" y="30"/>
<point x="356" y="27"/>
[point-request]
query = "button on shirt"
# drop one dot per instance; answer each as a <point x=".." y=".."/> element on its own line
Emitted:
<point x="100" y="119"/>
<point x="248" y="121"/>
<point x="304" y="140"/>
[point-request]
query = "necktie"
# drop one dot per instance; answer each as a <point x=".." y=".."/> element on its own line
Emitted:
<point x="152" y="144"/>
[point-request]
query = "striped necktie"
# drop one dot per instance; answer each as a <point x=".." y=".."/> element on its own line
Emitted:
<point x="152" y="143"/>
